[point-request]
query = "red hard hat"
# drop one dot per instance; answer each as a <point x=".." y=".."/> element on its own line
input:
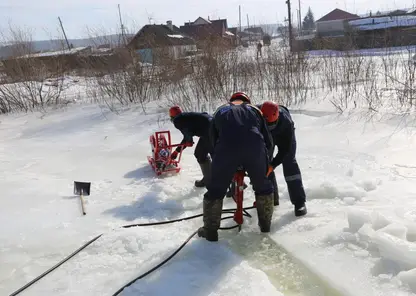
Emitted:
<point x="240" y="96"/>
<point x="270" y="111"/>
<point x="175" y="111"/>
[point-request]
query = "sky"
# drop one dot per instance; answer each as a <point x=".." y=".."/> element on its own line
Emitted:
<point x="84" y="18"/>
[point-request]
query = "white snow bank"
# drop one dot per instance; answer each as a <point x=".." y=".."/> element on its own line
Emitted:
<point x="330" y="191"/>
<point x="387" y="240"/>
<point x="408" y="278"/>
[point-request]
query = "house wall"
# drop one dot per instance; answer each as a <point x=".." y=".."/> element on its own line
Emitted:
<point x="330" y="28"/>
<point x="151" y="56"/>
<point x="385" y="38"/>
<point x="180" y="50"/>
<point x="146" y="55"/>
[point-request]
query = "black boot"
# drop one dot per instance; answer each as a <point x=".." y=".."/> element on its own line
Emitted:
<point x="300" y="210"/>
<point x="265" y="208"/>
<point x="206" y="172"/>
<point x="212" y="219"/>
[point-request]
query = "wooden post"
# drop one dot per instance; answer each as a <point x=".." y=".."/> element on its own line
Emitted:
<point x="290" y="25"/>
<point x="66" y="39"/>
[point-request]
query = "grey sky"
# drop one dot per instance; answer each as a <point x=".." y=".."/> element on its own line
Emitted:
<point x="102" y="15"/>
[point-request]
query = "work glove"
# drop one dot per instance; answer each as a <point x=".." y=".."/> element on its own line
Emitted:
<point x="174" y="155"/>
<point x="270" y="169"/>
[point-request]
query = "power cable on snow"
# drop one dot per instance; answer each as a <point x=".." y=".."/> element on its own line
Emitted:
<point x="245" y="213"/>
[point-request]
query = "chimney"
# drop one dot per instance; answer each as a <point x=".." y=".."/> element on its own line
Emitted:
<point x="169" y="24"/>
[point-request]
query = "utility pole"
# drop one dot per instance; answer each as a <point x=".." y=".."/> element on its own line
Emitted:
<point x="122" y="26"/>
<point x="66" y="39"/>
<point x="239" y="15"/>
<point x="238" y="37"/>
<point x="248" y="26"/>
<point x="290" y="25"/>
<point x="300" y="18"/>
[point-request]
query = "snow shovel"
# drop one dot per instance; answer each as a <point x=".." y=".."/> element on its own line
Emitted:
<point x="81" y="189"/>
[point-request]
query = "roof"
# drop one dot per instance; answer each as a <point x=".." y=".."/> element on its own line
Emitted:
<point x="201" y="21"/>
<point x="71" y="51"/>
<point x="377" y="23"/>
<point x="216" y="28"/>
<point x="337" y="14"/>
<point x="159" y="35"/>
<point x="256" y="30"/>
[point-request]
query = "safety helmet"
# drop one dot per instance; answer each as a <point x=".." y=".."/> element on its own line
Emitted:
<point x="270" y="111"/>
<point x="240" y="96"/>
<point x="174" y="111"/>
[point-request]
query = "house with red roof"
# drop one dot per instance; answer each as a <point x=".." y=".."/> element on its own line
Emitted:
<point x="209" y="30"/>
<point x="332" y="24"/>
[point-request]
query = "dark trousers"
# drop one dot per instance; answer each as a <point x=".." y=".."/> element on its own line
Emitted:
<point x="293" y="176"/>
<point x="203" y="149"/>
<point x="226" y="160"/>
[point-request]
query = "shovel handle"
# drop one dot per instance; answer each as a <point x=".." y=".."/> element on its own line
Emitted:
<point x="83" y="204"/>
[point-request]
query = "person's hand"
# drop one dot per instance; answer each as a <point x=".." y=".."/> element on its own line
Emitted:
<point x="174" y="155"/>
<point x="269" y="170"/>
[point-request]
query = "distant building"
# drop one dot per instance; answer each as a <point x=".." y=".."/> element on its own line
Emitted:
<point x="332" y="24"/>
<point x="205" y="30"/>
<point x="161" y="42"/>
<point x="383" y="31"/>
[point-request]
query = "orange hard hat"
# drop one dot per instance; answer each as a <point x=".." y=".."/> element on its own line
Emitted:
<point x="270" y="111"/>
<point x="240" y="96"/>
<point x="175" y="111"/>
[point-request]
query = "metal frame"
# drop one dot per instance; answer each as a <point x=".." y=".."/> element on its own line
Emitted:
<point x="172" y="162"/>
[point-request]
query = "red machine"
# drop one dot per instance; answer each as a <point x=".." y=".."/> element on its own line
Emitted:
<point x="237" y="187"/>
<point x="162" y="149"/>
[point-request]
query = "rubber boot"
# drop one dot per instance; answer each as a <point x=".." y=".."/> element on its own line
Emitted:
<point x="206" y="172"/>
<point x="212" y="219"/>
<point x="265" y="208"/>
<point x="300" y="210"/>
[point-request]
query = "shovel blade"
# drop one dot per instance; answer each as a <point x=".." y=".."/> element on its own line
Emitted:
<point x="82" y="188"/>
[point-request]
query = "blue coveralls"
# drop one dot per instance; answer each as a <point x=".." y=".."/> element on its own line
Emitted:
<point x="284" y="138"/>
<point x="197" y="124"/>
<point x="240" y="138"/>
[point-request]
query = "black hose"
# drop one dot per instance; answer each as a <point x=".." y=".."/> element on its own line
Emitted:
<point x="245" y="213"/>
<point x="157" y="266"/>
<point x="56" y="266"/>
<point x="184" y="219"/>
<point x="174" y="253"/>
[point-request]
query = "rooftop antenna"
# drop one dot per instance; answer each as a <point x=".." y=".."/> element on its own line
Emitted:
<point x="149" y="17"/>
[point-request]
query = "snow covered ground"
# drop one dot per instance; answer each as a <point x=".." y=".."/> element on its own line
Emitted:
<point x="358" y="238"/>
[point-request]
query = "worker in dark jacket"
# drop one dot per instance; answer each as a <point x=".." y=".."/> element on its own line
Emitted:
<point x="282" y="129"/>
<point x="193" y="124"/>
<point x="240" y="138"/>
